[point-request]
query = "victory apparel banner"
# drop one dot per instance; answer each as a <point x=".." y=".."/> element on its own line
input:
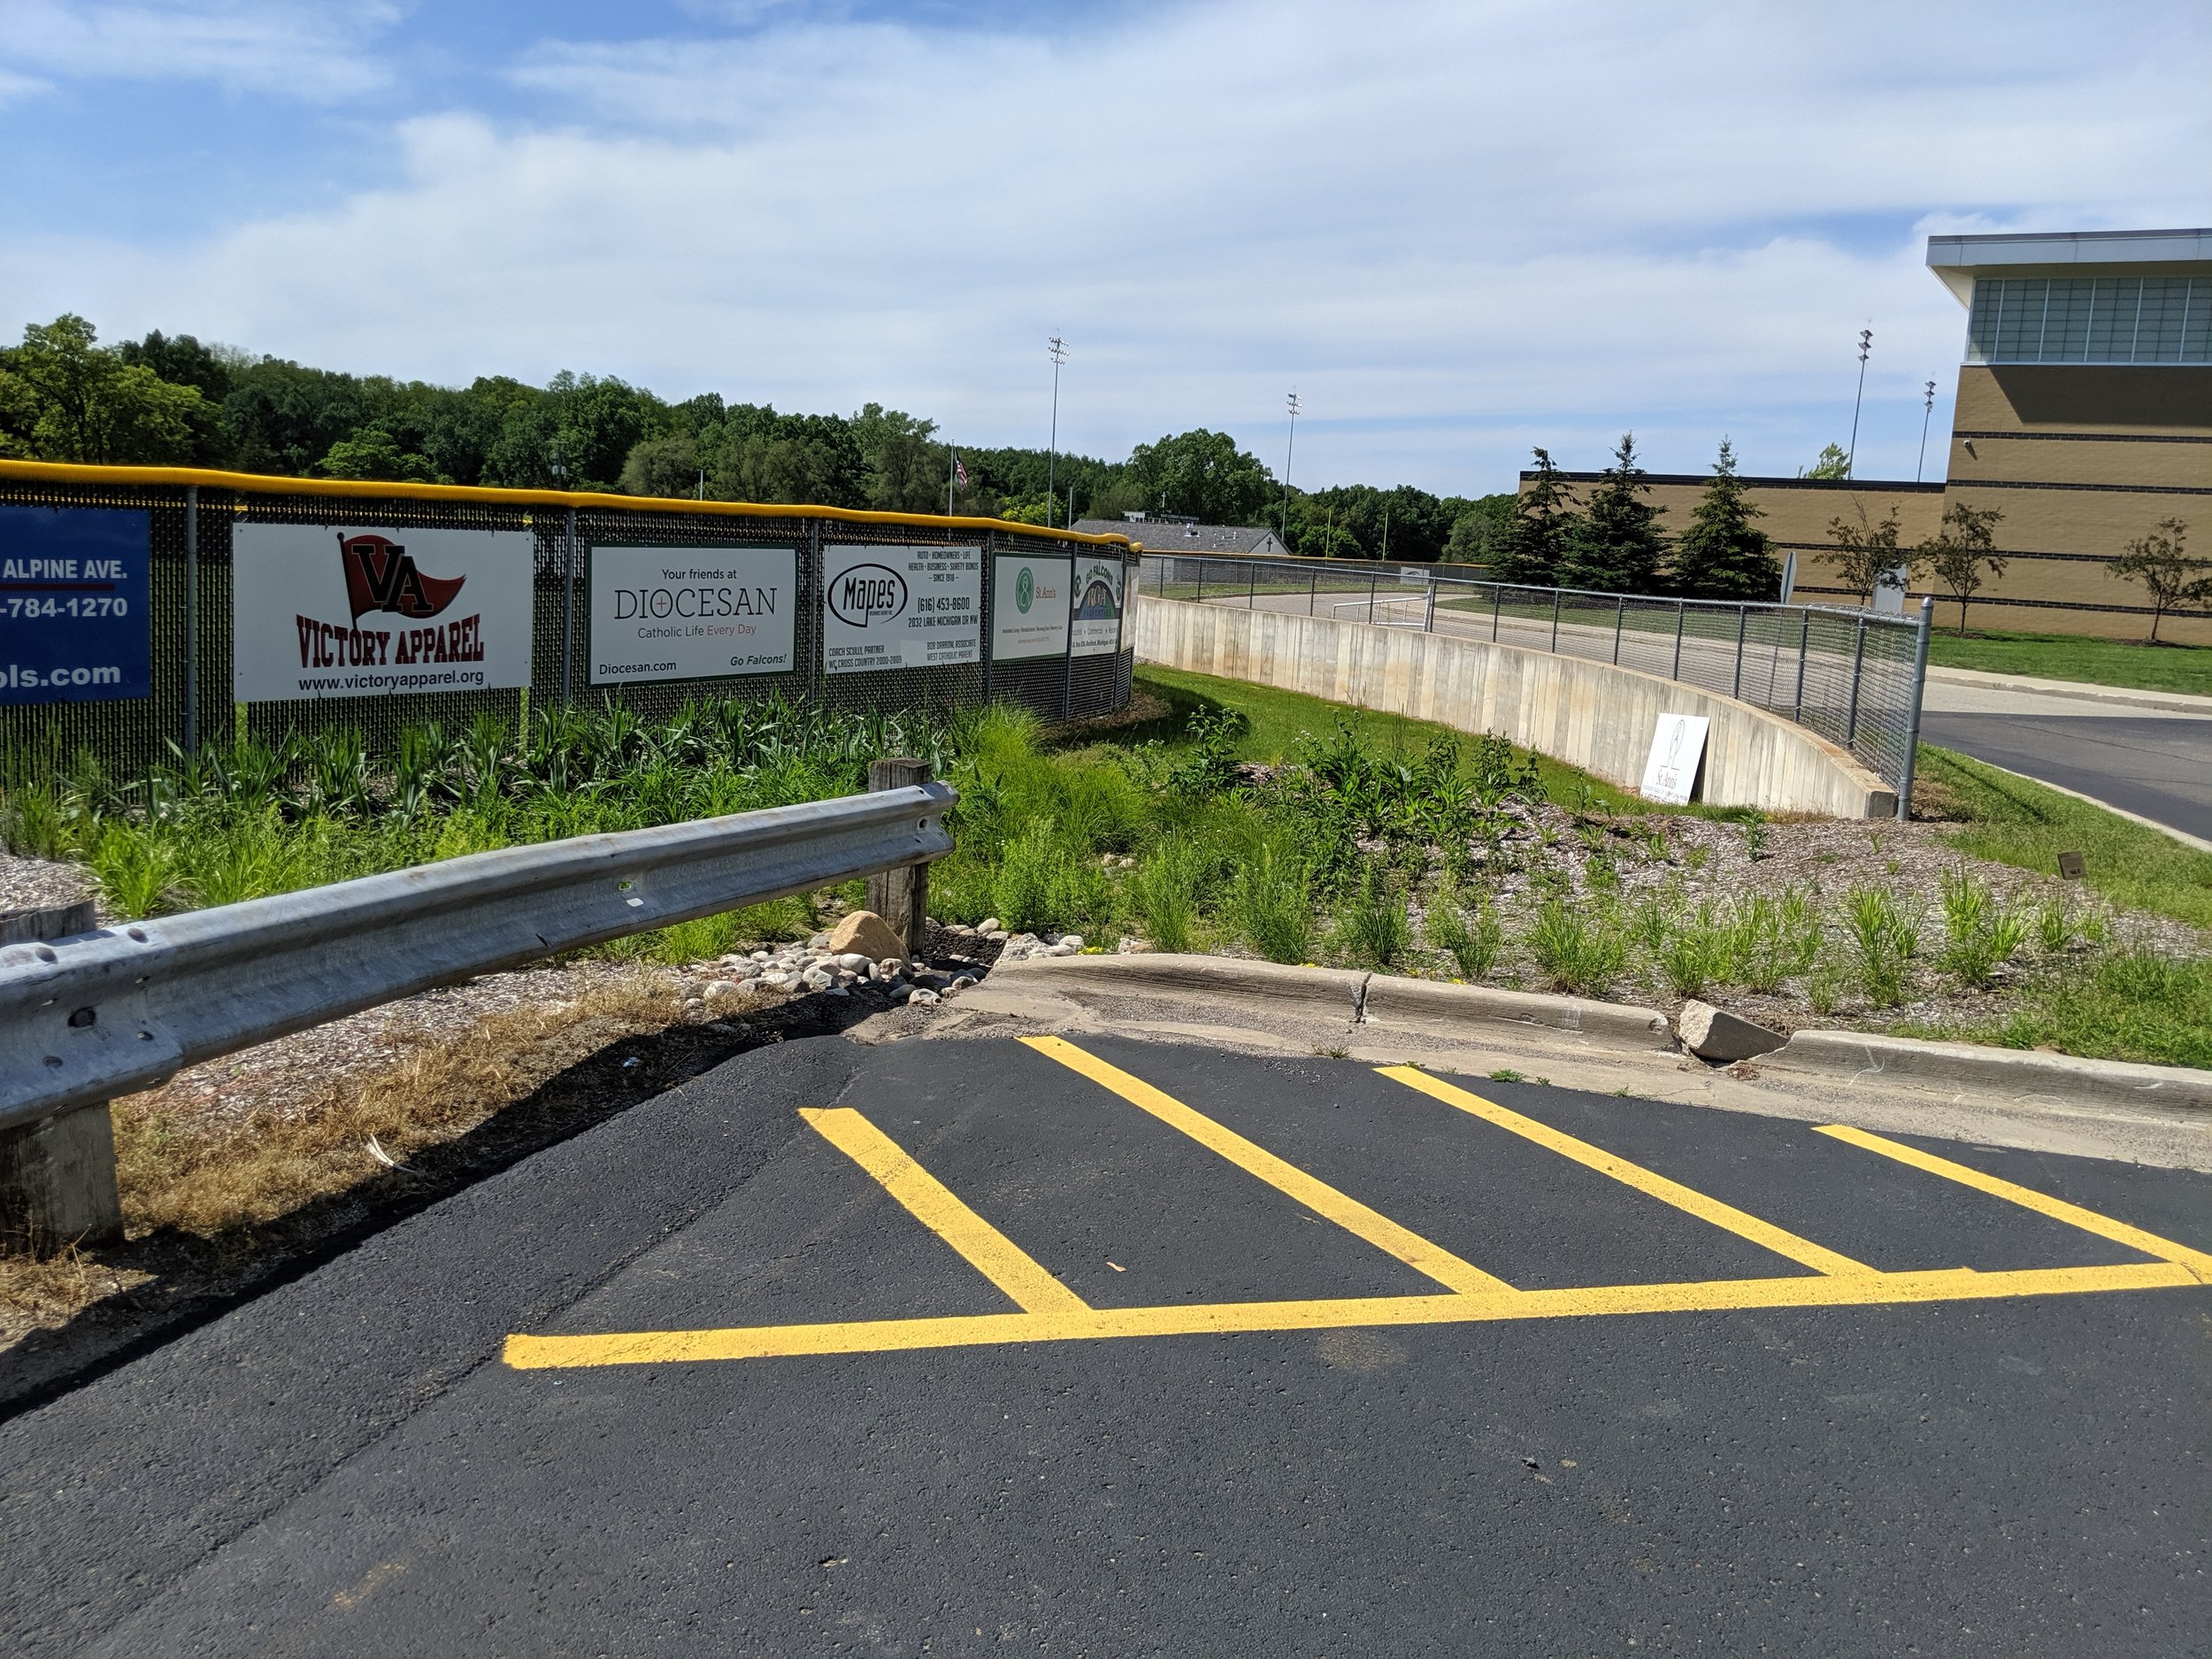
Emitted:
<point x="1097" y="606"/>
<point x="319" y="610"/>
<point x="73" y="610"/>
<point x="1029" y="607"/>
<point x="692" y="613"/>
<point x="900" y="607"/>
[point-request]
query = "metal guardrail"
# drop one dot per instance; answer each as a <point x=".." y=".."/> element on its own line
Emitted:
<point x="83" y="1020"/>
<point x="1855" y="677"/>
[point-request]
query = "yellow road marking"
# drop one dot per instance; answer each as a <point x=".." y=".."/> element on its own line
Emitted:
<point x="1317" y="1195"/>
<point x="2196" y="1262"/>
<point x="876" y="1336"/>
<point x="1764" y="1233"/>
<point x="990" y="1252"/>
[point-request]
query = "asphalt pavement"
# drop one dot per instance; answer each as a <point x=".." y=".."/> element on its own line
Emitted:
<point x="963" y="1347"/>
<point x="2156" y="767"/>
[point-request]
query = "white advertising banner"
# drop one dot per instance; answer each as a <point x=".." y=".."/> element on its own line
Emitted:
<point x="1029" y="607"/>
<point x="900" y="607"/>
<point x="1677" y="746"/>
<point x="323" y="611"/>
<point x="691" y="612"/>
<point x="1097" y="606"/>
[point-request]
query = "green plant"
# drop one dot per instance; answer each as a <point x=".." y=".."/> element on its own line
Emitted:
<point x="1472" y="946"/>
<point x="1164" y="893"/>
<point x="1771" y="938"/>
<point x="1823" y="989"/>
<point x="1579" y="954"/>
<point x="1372" y="927"/>
<point x="1885" y="941"/>
<point x="1270" y="904"/>
<point x="1692" y="953"/>
<point x="2055" y="925"/>
<point x="1982" y="933"/>
<point x="1022" y="892"/>
<point x="136" y="867"/>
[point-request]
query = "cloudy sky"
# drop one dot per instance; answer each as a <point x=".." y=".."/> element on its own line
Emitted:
<point x="1456" y="229"/>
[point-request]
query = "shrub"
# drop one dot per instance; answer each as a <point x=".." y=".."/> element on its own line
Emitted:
<point x="1164" y="893"/>
<point x="1270" y="904"/>
<point x="1372" y="928"/>
<point x="1577" y="955"/>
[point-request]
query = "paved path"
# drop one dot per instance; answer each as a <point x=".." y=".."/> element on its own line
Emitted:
<point x="957" y="1347"/>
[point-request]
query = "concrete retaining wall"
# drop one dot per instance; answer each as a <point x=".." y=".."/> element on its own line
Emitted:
<point x="1591" y="715"/>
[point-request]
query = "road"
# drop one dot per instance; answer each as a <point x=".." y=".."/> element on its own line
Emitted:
<point x="978" y="1346"/>
<point x="2156" y="762"/>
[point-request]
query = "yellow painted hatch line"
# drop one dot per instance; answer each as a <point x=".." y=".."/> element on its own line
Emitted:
<point x="883" y="1336"/>
<point x="2196" y="1262"/>
<point x="1317" y="1195"/>
<point x="990" y="1252"/>
<point x="1764" y="1233"/>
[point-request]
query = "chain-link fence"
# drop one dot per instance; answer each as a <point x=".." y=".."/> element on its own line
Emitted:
<point x="1852" y="676"/>
<point x="873" y="610"/>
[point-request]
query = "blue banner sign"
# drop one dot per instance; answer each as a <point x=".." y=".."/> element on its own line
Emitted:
<point x="74" y="613"/>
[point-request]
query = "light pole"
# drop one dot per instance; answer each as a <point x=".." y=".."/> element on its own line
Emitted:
<point x="1927" y="409"/>
<point x="1851" y="458"/>
<point x="1059" y="350"/>
<point x="1282" y="524"/>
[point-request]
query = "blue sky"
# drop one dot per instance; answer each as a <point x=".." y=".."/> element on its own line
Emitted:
<point x="1458" y="229"/>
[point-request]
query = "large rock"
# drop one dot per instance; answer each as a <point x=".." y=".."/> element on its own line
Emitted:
<point x="1713" y="1033"/>
<point x="868" y="934"/>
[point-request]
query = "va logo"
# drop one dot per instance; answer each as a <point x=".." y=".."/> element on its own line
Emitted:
<point x="1025" y="589"/>
<point x="381" y="576"/>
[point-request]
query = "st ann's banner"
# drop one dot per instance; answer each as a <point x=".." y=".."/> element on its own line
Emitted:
<point x="325" y="611"/>
<point x="1029" y="607"/>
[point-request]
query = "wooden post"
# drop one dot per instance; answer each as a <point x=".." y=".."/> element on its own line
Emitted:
<point x="901" y="897"/>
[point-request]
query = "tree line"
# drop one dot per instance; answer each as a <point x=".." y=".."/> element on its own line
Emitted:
<point x="171" y="399"/>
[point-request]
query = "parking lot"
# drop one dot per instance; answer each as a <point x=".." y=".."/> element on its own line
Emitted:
<point x="1104" y="1346"/>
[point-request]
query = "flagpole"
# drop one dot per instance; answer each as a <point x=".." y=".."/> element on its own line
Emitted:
<point x="951" y="461"/>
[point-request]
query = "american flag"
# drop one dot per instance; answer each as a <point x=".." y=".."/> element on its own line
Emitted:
<point x="959" y="471"/>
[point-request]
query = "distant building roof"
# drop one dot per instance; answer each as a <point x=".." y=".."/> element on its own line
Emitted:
<point x="1958" y="260"/>
<point x="1174" y="537"/>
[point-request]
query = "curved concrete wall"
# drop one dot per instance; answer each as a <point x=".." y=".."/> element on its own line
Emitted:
<point x="1589" y="714"/>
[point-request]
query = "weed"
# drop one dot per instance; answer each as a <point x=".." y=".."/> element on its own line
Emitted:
<point x="1579" y="953"/>
<point x="1372" y="928"/>
<point x="1692" y="953"/>
<point x="1164" y="893"/>
<point x="1982" y="932"/>
<point x="1505" y="1074"/>
<point x="1472" y="944"/>
<point x="1022" y="893"/>
<point x="1823" y="989"/>
<point x="1270" y="904"/>
<point x="1885" y="941"/>
<point x="2055" y="925"/>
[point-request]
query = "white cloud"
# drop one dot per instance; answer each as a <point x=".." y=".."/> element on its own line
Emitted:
<point x="299" y="49"/>
<point x="1458" y="229"/>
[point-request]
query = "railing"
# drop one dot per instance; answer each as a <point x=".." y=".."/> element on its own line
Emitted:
<point x="85" y="1019"/>
<point x="1855" y="677"/>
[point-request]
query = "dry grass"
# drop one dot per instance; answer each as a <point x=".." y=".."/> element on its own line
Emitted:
<point x="177" y="1171"/>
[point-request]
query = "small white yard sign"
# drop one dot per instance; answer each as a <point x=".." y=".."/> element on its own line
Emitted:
<point x="1676" y="748"/>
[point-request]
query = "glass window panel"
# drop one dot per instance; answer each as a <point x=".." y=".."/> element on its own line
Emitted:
<point x="2158" y="338"/>
<point x="2196" y="333"/>
<point x="1981" y="322"/>
<point x="2020" y="329"/>
<point x="2066" y="321"/>
<point x="2112" y="319"/>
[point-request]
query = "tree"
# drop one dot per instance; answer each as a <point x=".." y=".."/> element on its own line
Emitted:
<point x="1833" y="462"/>
<point x="1617" y="548"/>
<point x="1480" y="530"/>
<point x="906" y="469"/>
<point x="665" y="467"/>
<point x="1862" y="554"/>
<point x="1203" y="475"/>
<point x="1534" y="545"/>
<point x="1722" y="555"/>
<point x="371" y="453"/>
<point x="2161" y="561"/>
<point x="75" y="400"/>
<point x="1959" y="552"/>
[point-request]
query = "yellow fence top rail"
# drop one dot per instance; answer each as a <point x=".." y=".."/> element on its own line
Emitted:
<point x="271" y="484"/>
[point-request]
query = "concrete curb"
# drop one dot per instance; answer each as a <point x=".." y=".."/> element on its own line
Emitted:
<point x="1429" y="1003"/>
<point x="2136" y="697"/>
<point x="2021" y="1074"/>
<point x="1332" y="990"/>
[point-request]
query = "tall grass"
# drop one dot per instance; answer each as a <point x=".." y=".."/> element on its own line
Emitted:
<point x="1270" y="904"/>
<point x="1580" y="949"/>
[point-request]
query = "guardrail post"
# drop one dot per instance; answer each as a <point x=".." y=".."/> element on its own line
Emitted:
<point x="1858" y="671"/>
<point x="1912" y="726"/>
<point x="901" y="897"/>
<point x="1681" y="615"/>
<point x="1620" y="617"/>
<point x="1743" y="617"/>
<point x="1554" y="619"/>
<point x="58" y="1173"/>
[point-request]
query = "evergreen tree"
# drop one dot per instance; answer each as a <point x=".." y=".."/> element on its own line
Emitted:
<point x="1722" y="555"/>
<point x="1529" y="549"/>
<point x="1617" y="548"/>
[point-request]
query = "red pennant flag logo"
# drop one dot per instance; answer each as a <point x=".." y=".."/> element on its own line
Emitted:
<point x="381" y="576"/>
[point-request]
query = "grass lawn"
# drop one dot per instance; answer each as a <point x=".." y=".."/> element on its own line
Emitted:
<point x="2014" y="821"/>
<point x="2070" y="656"/>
